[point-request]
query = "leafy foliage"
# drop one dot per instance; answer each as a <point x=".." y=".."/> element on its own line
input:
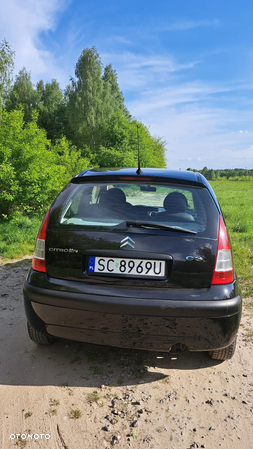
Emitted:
<point x="112" y="95"/>
<point x="47" y="100"/>
<point x="23" y="94"/>
<point x="32" y="170"/>
<point x="120" y="145"/>
<point x="85" y="100"/>
<point x="52" y="110"/>
<point x="6" y="69"/>
<point x="41" y="129"/>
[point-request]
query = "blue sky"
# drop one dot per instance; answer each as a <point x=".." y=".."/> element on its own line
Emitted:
<point x="185" y="67"/>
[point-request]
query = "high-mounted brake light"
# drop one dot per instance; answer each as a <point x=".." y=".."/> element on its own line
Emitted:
<point x="39" y="257"/>
<point x="134" y="178"/>
<point x="223" y="271"/>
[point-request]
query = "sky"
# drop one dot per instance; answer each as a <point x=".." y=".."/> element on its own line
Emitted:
<point x="185" y="67"/>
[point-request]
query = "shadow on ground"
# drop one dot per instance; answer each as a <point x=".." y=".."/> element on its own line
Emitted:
<point x="65" y="362"/>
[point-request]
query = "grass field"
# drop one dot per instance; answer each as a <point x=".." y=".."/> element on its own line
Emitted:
<point x="17" y="237"/>
<point x="236" y="201"/>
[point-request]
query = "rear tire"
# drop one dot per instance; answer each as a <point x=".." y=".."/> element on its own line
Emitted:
<point x="223" y="354"/>
<point x="39" y="337"/>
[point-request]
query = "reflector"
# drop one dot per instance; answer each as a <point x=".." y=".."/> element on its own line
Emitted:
<point x="39" y="257"/>
<point x="223" y="271"/>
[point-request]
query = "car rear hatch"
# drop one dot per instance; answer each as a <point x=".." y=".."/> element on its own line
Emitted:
<point x="127" y="233"/>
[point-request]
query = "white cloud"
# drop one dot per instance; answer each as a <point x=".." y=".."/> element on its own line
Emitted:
<point x="137" y="71"/>
<point x="119" y="39"/>
<point x="197" y="131"/>
<point x="188" y="24"/>
<point x="177" y="94"/>
<point x="21" y="24"/>
<point x="197" y="136"/>
<point x="194" y="118"/>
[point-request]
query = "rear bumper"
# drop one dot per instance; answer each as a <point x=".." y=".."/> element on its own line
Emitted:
<point x="133" y="322"/>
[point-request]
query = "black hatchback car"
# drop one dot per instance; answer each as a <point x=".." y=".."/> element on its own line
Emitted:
<point x="136" y="261"/>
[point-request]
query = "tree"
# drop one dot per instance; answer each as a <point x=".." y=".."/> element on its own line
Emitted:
<point x="85" y="100"/>
<point x="47" y="99"/>
<point x="23" y="94"/>
<point x="70" y="158"/>
<point x="113" y="98"/>
<point x="92" y="97"/>
<point x="6" y="69"/>
<point x="32" y="171"/>
<point x="119" y="146"/>
<point x="52" y="110"/>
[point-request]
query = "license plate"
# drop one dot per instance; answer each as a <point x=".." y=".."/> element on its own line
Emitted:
<point x="127" y="267"/>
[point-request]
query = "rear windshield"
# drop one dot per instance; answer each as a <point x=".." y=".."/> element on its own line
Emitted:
<point x="112" y="205"/>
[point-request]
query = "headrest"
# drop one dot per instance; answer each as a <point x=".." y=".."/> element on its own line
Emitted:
<point x="175" y="202"/>
<point x="113" y="195"/>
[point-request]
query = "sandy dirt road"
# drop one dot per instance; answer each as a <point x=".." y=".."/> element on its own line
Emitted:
<point x="78" y="396"/>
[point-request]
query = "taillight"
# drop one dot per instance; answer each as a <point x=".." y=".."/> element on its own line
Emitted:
<point x="223" y="271"/>
<point x="39" y="257"/>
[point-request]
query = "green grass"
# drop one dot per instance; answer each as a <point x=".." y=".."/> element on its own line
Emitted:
<point x="17" y="237"/>
<point x="75" y="414"/>
<point x="235" y="198"/>
<point x="93" y="397"/>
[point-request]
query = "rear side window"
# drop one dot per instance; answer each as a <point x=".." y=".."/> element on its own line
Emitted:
<point x="110" y="205"/>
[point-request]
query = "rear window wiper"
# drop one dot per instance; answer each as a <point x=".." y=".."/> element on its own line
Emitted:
<point x="148" y="225"/>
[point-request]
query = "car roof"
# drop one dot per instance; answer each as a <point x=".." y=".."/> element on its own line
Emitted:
<point x="162" y="173"/>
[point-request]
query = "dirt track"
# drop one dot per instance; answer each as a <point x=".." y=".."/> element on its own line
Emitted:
<point x="77" y="396"/>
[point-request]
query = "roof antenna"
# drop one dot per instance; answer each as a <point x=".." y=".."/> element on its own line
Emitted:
<point x="139" y="171"/>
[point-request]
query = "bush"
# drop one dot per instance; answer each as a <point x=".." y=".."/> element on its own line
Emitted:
<point x="32" y="170"/>
<point x="119" y="146"/>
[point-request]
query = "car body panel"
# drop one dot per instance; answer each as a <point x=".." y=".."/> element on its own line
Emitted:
<point x="71" y="265"/>
<point x="207" y="324"/>
<point x="118" y="308"/>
